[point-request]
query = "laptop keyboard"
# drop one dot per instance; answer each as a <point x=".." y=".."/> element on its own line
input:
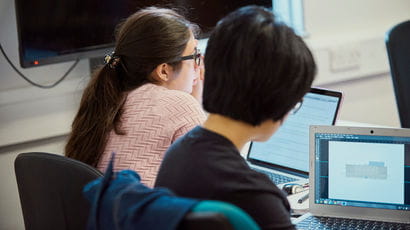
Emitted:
<point x="276" y="178"/>
<point x="313" y="222"/>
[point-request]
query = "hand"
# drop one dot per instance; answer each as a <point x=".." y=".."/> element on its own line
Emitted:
<point x="197" y="89"/>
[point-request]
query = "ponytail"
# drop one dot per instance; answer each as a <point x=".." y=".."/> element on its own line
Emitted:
<point x="139" y="49"/>
<point x="100" y="111"/>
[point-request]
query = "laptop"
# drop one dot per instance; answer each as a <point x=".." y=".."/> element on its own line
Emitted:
<point x="360" y="176"/>
<point x="285" y="156"/>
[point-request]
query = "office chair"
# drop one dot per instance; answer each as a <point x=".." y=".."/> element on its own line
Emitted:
<point x="398" y="50"/>
<point x="50" y="188"/>
<point x="205" y="221"/>
<point x="217" y="215"/>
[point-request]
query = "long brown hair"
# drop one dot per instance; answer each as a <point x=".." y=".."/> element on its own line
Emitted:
<point x="147" y="38"/>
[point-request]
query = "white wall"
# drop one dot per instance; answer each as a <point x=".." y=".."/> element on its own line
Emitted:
<point x="30" y="114"/>
<point x="27" y="112"/>
<point x="347" y="38"/>
<point x="336" y="30"/>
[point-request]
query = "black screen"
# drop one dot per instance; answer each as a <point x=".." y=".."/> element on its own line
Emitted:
<point x="55" y="31"/>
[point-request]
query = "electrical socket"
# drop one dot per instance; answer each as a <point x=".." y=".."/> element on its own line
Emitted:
<point x="345" y="57"/>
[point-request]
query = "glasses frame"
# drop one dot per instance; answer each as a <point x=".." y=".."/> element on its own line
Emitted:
<point x="196" y="56"/>
<point x="296" y="108"/>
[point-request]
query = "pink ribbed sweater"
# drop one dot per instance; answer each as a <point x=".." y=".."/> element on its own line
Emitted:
<point x="154" y="117"/>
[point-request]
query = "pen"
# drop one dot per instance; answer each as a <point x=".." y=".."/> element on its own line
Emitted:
<point x="303" y="198"/>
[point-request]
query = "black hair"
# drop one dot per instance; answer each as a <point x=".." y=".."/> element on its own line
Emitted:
<point x="256" y="68"/>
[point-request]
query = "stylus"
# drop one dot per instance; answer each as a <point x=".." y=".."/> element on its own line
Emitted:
<point x="303" y="198"/>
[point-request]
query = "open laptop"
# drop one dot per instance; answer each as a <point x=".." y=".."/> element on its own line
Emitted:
<point x="358" y="174"/>
<point x="285" y="156"/>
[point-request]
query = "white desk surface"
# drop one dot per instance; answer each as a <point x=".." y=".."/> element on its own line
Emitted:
<point x="358" y="124"/>
<point x="299" y="208"/>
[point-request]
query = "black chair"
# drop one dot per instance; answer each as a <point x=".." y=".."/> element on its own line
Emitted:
<point x="398" y="50"/>
<point x="217" y="215"/>
<point x="205" y="221"/>
<point x="50" y="188"/>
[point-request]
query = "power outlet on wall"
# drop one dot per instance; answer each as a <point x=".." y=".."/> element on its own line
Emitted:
<point x="344" y="58"/>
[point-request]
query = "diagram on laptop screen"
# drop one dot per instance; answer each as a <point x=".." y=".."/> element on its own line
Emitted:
<point x="363" y="172"/>
<point x="372" y="170"/>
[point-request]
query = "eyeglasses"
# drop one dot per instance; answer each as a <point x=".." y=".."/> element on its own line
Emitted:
<point x="196" y="56"/>
<point x="296" y="108"/>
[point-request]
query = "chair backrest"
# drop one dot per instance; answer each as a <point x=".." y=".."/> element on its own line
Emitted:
<point x="205" y="221"/>
<point x="398" y="50"/>
<point x="218" y="215"/>
<point x="50" y="188"/>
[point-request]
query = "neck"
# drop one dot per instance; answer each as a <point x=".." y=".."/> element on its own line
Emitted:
<point x="238" y="132"/>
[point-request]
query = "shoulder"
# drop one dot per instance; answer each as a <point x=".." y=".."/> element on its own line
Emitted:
<point x="164" y="95"/>
<point x="181" y="105"/>
<point x="159" y="96"/>
<point x="177" y="97"/>
<point x="200" y="146"/>
<point x="207" y="143"/>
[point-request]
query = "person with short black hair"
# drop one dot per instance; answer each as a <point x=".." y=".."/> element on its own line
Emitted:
<point x="257" y="70"/>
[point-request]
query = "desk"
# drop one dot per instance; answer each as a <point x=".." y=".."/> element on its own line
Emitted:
<point x="358" y="124"/>
<point x="299" y="208"/>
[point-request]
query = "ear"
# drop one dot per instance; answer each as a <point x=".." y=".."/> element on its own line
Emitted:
<point x="163" y="72"/>
<point x="283" y="119"/>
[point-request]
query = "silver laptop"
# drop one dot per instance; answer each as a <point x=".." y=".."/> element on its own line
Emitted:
<point x="285" y="156"/>
<point x="358" y="174"/>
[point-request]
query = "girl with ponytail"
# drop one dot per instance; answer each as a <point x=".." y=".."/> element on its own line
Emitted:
<point x="144" y="97"/>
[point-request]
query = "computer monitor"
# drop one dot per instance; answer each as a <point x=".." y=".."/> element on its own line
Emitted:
<point x="52" y="31"/>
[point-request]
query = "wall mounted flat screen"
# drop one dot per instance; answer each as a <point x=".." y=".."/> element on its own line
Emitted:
<point x="53" y="31"/>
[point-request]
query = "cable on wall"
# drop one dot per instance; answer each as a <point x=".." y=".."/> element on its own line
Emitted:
<point x="32" y="82"/>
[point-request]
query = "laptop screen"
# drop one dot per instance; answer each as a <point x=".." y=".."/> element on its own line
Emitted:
<point x="288" y="148"/>
<point x="370" y="171"/>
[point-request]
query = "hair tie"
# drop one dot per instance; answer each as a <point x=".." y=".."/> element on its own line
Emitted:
<point x="112" y="60"/>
